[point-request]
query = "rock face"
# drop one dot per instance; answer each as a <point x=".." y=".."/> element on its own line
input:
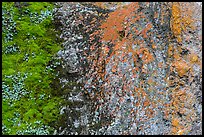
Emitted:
<point x="74" y="20"/>
<point x="138" y="66"/>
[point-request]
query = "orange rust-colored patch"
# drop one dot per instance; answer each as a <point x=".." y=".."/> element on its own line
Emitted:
<point x="170" y="50"/>
<point x="146" y="103"/>
<point x="179" y="22"/>
<point x="177" y="56"/>
<point x="137" y="104"/>
<point x="114" y="68"/>
<point x="193" y="58"/>
<point x="175" y="122"/>
<point x="181" y="67"/>
<point x="174" y="130"/>
<point x="154" y="46"/>
<point x="180" y="132"/>
<point x="181" y="92"/>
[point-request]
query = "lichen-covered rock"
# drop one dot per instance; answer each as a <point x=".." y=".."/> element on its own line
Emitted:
<point x="140" y="63"/>
<point x="76" y="22"/>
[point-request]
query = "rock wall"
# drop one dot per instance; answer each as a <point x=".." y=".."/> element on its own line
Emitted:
<point x="138" y="66"/>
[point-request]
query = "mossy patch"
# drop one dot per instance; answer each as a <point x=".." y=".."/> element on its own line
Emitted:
<point x="29" y="43"/>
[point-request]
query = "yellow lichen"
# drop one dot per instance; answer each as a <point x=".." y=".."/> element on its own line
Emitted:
<point x="175" y="122"/>
<point x="193" y="58"/>
<point x="176" y="20"/>
<point x="180" y="20"/>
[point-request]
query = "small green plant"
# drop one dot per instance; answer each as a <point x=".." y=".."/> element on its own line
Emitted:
<point x="28" y="39"/>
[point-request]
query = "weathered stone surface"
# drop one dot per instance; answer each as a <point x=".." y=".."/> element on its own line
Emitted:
<point x="163" y="93"/>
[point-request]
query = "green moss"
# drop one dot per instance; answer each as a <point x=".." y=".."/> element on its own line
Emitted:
<point x="37" y="45"/>
<point x="39" y="6"/>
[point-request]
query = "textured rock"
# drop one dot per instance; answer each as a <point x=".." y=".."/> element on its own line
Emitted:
<point x="144" y="78"/>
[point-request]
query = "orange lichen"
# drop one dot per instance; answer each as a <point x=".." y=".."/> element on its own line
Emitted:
<point x="117" y="30"/>
<point x="154" y="46"/>
<point x="174" y="130"/>
<point x="137" y="104"/>
<point x="146" y="103"/>
<point x="147" y="56"/>
<point x="181" y="92"/>
<point x="177" y="56"/>
<point x="170" y="50"/>
<point x="181" y="67"/>
<point x="175" y="122"/>
<point x="193" y="58"/>
<point x="115" y="22"/>
<point x="180" y="132"/>
<point x="180" y="22"/>
<point x="176" y="19"/>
